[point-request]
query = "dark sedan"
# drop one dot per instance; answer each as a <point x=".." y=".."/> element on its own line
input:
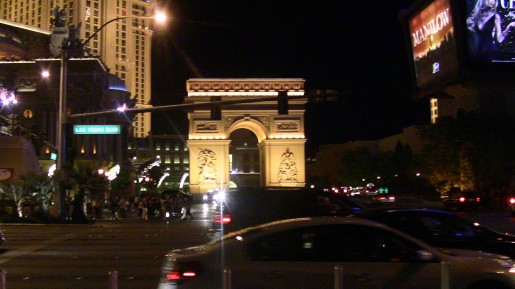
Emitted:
<point x="444" y="229"/>
<point x="462" y="201"/>
<point x="253" y="206"/>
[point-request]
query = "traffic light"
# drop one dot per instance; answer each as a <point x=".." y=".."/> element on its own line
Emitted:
<point x="282" y="102"/>
<point x="216" y="110"/>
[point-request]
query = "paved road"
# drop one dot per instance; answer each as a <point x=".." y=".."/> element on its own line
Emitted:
<point x="82" y="256"/>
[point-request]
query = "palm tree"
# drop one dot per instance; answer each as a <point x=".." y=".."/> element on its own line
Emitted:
<point x="44" y="188"/>
<point x="19" y="191"/>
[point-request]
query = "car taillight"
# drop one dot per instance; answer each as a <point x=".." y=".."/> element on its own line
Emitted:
<point x="182" y="273"/>
<point x="478" y="199"/>
<point x="391" y="198"/>
<point x="225" y="219"/>
<point x="462" y="199"/>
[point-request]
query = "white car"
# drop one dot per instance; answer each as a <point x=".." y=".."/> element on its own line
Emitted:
<point x="316" y="253"/>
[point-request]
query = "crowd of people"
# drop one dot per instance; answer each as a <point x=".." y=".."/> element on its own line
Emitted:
<point x="144" y="208"/>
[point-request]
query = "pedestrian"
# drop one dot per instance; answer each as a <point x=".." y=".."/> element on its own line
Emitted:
<point x="144" y="209"/>
<point x="186" y="209"/>
<point x="113" y="206"/>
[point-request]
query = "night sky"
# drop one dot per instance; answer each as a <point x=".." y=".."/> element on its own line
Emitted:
<point x="356" y="47"/>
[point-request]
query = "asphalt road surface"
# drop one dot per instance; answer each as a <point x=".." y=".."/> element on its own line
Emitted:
<point x="89" y="256"/>
<point x="86" y="256"/>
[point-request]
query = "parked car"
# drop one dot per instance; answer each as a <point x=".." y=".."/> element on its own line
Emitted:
<point x="253" y="206"/>
<point x="311" y="253"/>
<point x="444" y="229"/>
<point x="462" y="201"/>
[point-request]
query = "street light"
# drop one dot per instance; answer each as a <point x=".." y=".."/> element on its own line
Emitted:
<point x="68" y="50"/>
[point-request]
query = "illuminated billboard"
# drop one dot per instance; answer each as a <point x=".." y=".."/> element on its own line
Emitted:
<point x="433" y="43"/>
<point x="490" y="31"/>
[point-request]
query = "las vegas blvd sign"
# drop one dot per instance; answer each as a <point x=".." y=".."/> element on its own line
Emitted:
<point x="96" y="129"/>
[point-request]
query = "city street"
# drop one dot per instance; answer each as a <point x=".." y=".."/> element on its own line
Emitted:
<point x="82" y="256"/>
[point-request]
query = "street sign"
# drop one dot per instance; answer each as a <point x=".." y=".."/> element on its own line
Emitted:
<point x="96" y="129"/>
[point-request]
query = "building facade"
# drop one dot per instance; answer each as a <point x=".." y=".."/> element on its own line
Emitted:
<point x="169" y="152"/>
<point x="32" y="113"/>
<point x="124" y="46"/>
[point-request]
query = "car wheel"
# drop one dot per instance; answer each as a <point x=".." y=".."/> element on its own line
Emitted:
<point x="490" y="285"/>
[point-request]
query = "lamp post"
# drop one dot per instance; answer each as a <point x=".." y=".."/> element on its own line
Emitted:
<point x="8" y="101"/>
<point x="69" y="48"/>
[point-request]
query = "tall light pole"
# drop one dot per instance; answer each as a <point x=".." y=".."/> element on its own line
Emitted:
<point x="68" y="50"/>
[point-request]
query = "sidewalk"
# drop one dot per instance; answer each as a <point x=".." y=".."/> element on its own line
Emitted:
<point x="133" y="217"/>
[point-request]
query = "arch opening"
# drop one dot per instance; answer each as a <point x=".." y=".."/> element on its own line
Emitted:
<point x="244" y="158"/>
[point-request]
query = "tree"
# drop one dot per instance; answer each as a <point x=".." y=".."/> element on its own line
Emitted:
<point x="44" y="188"/>
<point x="122" y="181"/>
<point x="86" y="175"/>
<point x="358" y="164"/>
<point x="395" y="170"/>
<point x="19" y="191"/>
<point x="472" y="151"/>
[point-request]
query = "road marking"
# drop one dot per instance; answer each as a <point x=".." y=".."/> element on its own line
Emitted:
<point x="8" y="256"/>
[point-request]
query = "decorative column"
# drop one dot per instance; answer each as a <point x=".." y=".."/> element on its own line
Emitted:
<point x="283" y="163"/>
<point x="209" y="165"/>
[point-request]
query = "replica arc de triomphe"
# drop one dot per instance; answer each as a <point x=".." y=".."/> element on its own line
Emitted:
<point x="280" y="137"/>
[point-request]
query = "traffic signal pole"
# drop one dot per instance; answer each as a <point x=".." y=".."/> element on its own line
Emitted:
<point x="61" y="140"/>
<point x="206" y="105"/>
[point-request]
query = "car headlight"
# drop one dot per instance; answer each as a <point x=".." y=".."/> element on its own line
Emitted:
<point x="507" y="263"/>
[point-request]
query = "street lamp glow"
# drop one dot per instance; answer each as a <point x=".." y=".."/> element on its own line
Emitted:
<point x="160" y="17"/>
<point x="122" y="108"/>
<point x="7" y="97"/>
<point x="45" y="73"/>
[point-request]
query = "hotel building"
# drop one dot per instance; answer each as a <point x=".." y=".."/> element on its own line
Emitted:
<point x="124" y="46"/>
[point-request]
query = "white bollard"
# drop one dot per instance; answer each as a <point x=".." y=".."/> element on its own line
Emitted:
<point x="113" y="280"/>
<point x="445" y="275"/>
<point x="2" y="279"/>
<point x="338" y="277"/>
<point x="227" y="282"/>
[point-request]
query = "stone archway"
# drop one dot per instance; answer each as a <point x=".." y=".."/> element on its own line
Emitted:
<point x="245" y="164"/>
<point x="280" y="138"/>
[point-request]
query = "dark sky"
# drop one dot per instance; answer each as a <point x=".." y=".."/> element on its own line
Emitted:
<point x="356" y="47"/>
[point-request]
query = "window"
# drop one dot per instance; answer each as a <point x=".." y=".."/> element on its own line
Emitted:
<point x="332" y="243"/>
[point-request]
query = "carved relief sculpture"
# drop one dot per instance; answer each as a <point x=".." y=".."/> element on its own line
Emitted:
<point x="206" y="165"/>
<point x="288" y="168"/>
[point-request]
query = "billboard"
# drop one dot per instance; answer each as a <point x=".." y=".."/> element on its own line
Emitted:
<point x="433" y="43"/>
<point x="490" y="31"/>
